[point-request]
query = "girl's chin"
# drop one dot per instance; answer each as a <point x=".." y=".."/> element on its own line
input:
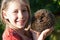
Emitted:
<point x="20" y="23"/>
<point x="20" y="26"/>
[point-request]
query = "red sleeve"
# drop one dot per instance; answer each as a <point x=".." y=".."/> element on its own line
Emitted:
<point x="6" y="36"/>
<point x="10" y="36"/>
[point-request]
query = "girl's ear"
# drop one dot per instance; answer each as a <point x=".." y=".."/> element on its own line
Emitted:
<point x="4" y="14"/>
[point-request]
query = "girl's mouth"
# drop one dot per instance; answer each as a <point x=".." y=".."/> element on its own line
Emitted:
<point x="20" y="22"/>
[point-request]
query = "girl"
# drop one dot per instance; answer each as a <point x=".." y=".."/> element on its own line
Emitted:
<point x="16" y="16"/>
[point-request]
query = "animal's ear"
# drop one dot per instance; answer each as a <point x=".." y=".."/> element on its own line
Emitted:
<point x="33" y="19"/>
<point x="4" y="14"/>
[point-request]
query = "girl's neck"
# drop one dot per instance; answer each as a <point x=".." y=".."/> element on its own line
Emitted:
<point x="21" y="32"/>
<point x="15" y="28"/>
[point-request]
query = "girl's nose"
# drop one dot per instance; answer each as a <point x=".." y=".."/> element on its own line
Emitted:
<point x="20" y="15"/>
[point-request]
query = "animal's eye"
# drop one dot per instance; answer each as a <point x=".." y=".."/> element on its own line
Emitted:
<point x="41" y="18"/>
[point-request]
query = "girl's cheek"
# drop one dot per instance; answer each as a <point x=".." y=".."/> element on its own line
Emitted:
<point x="27" y="15"/>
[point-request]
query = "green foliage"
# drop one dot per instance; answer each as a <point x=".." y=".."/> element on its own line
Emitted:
<point x="1" y="29"/>
<point x="53" y="5"/>
<point x="0" y="2"/>
<point x="55" y="35"/>
<point x="57" y="24"/>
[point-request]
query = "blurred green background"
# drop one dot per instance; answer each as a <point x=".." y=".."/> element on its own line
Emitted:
<point x="52" y="5"/>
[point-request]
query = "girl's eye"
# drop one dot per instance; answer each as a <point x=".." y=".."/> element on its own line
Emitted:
<point x="16" y="11"/>
<point x="24" y="10"/>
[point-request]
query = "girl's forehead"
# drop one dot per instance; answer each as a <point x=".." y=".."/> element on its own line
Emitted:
<point x="20" y="2"/>
<point x="16" y="4"/>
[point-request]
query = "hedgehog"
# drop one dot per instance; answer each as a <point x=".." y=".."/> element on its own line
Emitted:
<point x="42" y="19"/>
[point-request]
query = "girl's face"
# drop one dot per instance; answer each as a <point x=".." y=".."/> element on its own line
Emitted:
<point x="17" y="14"/>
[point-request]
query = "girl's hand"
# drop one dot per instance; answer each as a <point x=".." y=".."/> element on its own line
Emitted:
<point x="45" y="33"/>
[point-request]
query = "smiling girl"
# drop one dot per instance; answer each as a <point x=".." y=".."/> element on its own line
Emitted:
<point x="16" y="16"/>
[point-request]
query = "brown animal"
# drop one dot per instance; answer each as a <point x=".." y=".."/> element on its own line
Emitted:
<point x="42" y="20"/>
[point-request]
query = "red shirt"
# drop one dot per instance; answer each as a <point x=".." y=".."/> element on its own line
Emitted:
<point x="10" y="34"/>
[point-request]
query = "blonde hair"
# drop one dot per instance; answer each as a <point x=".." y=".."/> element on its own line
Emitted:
<point x="4" y="6"/>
